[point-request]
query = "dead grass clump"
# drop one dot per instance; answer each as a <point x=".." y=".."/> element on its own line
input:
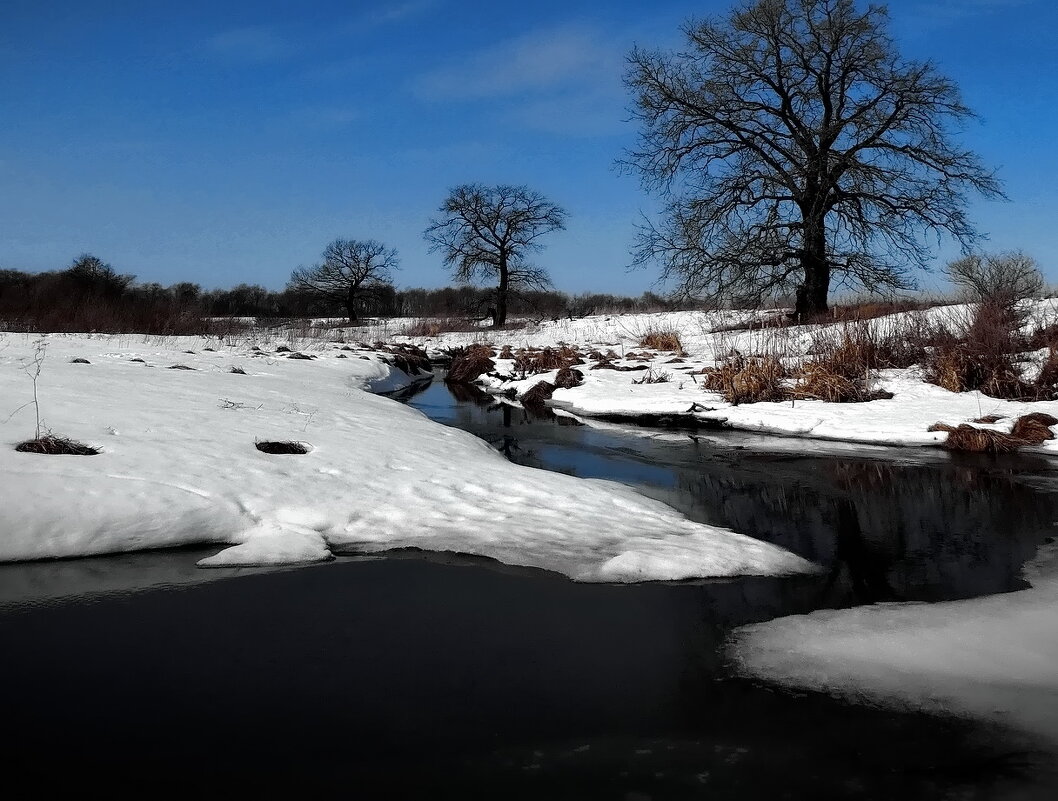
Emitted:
<point x="180" y="367"/>
<point x="236" y="370"/>
<point x="989" y="419"/>
<point x="984" y="358"/>
<point x="409" y="359"/>
<point x="661" y="340"/>
<point x="531" y="361"/>
<point x="53" y="445"/>
<point x="282" y="447"/>
<point x="568" y="378"/>
<point x="470" y="365"/>
<point x="538" y="393"/>
<point x="79" y="360"/>
<point x="1034" y="428"/>
<point x="1046" y="382"/>
<point x="818" y="382"/>
<point x="749" y="380"/>
<point x="651" y="377"/>
<point x="302" y="356"/>
<point x="977" y="440"/>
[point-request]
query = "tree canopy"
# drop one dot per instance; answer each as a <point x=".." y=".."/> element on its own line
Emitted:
<point x="794" y="147"/>
<point x="487" y="232"/>
<point x="352" y="270"/>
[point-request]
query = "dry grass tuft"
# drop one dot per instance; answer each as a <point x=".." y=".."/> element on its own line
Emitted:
<point x="568" y="378"/>
<point x="302" y="356"/>
<point x="818" y="381"/>
<point x="52" y="445"/>
<point x="470" y="365"/>
<point x="1034" y="428"/>
<point x="989" y="419"/>
<point x="79" y="360"/>
<point x="236" y="370"/>
<point x="977" y="440"/>
<point x="661" y="340"/>
<point x="283" y="447"/>
<point x="651" y="377"/>
<point x="540" y="392"/>
<point x="749" y="380"/>
<point x="179" y="367"/>
<point x="531" y="361"/>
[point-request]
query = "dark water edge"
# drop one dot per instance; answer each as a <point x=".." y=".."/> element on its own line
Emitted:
<point x="424" y="675"/>
<point x="411" y="677"/>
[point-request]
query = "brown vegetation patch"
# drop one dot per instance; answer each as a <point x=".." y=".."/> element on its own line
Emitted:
<point x="470" y="364"/>
<point x="568" y="378"/>
<point x="283" y="447"/>
<point x="52" y="445"/>
<point x="977" y="440"/>
<point x="749" y="380"/>
<point x="661" y="340"/>
<point x="531" y="361"/>
<point x="821" y="381"/>
<point x="652" y="377"/>
<point x="302" y="356"/>
<point x="1034" y="428"/>
<point x="989" y="419"/>
<point x="441" y="325"/>
<point x="236" y="370"/>
<point x="79" y="360"/>
<point x="540" y="392"/>
<point x="1029" y="429"/>
<point x="180" y="367"/>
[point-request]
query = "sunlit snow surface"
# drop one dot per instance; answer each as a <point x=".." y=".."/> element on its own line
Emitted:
<point x="179" y="466"/>
<point x="993" y="657"/>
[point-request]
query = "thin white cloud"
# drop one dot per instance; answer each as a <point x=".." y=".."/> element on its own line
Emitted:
<point x="256" y="44"/>
<point x="391" y="13"/>
<point x="536" y="62"/>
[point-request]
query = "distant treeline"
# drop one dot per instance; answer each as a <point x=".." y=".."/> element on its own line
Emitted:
<point x="91" y="296"/>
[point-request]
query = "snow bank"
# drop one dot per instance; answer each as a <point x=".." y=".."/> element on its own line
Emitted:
<point x="179" y="466"/>
<point x="993" y="657"/>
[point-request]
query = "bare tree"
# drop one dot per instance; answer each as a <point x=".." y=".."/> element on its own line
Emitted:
<point x="352" y="271"/>
<point x="487" y="232"/>
<point x="1001" y="278"/>
<point x="794" y="146"/>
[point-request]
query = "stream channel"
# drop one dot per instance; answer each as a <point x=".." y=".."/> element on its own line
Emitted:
<point x="436" y="675"/>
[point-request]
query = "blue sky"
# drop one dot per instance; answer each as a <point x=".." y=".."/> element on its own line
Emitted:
<point x="229" y="142"/>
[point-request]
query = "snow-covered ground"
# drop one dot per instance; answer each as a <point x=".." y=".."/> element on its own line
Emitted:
<point x="900" y="421"/>
<point x="994" y="658"/>
<point x="179" y="466"/>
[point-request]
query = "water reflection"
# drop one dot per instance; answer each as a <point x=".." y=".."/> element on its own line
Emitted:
<point x="899" y="525"/>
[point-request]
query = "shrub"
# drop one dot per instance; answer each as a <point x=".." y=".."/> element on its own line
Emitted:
<point x="1002" y="279"/>
<point x="977" y="440"/>
<point x="983" y="359"/>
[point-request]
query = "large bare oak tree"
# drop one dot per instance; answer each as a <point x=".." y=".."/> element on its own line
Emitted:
<point x="794" y="148"/>
<point x="352" y="271"/>
<point x="488" y="231"/>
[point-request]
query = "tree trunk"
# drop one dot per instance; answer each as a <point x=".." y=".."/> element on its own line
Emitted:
<point x="812" y="294"/>
<point x="499" y="318"/>
<point x="350" y="304"/>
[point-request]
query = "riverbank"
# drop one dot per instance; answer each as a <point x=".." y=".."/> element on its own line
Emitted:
<point x="628" y="376"/>
<point x="179" y="421"/>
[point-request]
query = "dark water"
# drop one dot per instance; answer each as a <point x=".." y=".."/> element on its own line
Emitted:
<point x="889" y="524"/>
<point x="424" y="676"/>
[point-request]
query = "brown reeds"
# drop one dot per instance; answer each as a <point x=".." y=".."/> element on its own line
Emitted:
<point x="279" y="447"/>
<point x="568" y="378"/>
<point x="661" y="340"/>
<point x="749" y="380"/>
<point x="538" y="393"/>
<point x="470" y="364"/>
<point x="1029" y="429"/>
